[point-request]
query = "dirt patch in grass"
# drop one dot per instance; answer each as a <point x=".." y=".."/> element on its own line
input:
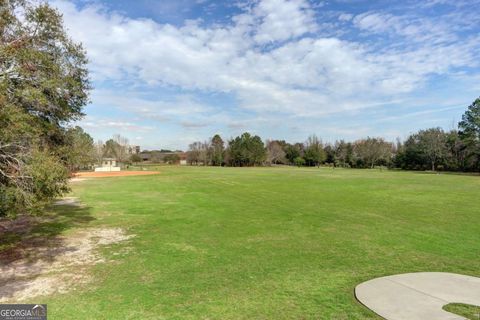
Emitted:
<point x="42" y="261"/>
<point x="57" y="266"/>
<point x="114" y="174"/>
<point x="20" y="225"/>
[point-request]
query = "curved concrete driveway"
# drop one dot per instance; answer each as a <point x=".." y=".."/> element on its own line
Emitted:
<point x="418" y="296"/>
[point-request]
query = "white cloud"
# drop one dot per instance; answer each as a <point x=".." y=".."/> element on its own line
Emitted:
<point x="181" y="106"/>
<point x="413" y="29"/>
<point x="282" y="20"/>
<point x="117" y="125"/>
<point x="301" y="74"/>
<point x="345" y="17"/>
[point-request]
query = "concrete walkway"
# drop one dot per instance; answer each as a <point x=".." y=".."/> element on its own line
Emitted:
<point x="418" y="296"/>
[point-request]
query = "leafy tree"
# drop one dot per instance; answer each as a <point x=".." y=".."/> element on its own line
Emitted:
<point x="470" y="132"/>
<point x="293" y="151"/>
<point x="299" y="161"/>
<point x="457" y="153"/>
<point x="43" y="86"/>
<point x="135" y="158"/>
<point x="111" y="149"/>
<point x="217" y="150"/>
<point x="343" y="153"/>
<point x="413" y="153"/>
<point x="314" y="153"/>
<point x="371" y="151"/>
<point x="427" y="149"/>
<point x="330" y="156"/>
<point x="117" y="148"/>
<point x="432" y="143"/>
<point x="246" y="150"/>
<point x="399" y="159"/>
<point x="79" y="151"/>
<point x="470" y="124"/>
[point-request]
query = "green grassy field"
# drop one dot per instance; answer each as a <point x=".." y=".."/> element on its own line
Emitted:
<point x="269" y="243"/>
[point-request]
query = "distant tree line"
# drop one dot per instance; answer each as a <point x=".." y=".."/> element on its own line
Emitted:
<point x="429" y="149"/>
<point x="159" y="156"/>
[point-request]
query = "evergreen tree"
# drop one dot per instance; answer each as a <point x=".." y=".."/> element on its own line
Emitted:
<point x="43" y="86"/>
<point x="217" y="150"/>
<point x="470" y="133"/>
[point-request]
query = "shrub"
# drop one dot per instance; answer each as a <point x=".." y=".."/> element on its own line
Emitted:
<point x="299" y="161"/>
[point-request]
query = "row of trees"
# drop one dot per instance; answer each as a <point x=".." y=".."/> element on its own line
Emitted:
<point x="434" y="149"/>
<point x="208" y="152"/>
<point x="248" y="150"/>
<point x="455" y="150"/>
<point x="244" y="150"/>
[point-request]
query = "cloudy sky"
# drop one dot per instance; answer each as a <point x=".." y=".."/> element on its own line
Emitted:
<point x="168" y="72"/>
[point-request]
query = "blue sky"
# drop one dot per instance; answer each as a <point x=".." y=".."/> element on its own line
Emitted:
<point x="170" y="72"/>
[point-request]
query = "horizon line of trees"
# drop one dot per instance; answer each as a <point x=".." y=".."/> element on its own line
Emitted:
<point x="428" y="149"/>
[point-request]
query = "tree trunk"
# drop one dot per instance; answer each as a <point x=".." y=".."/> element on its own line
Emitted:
<point x="433" y="165"/>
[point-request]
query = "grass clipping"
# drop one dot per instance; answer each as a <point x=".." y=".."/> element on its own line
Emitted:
<point x="57" y="267"/>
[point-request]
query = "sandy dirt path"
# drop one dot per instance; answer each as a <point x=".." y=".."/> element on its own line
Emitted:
<point x="114" y="174"/>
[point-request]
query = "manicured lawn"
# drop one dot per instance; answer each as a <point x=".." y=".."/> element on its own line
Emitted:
<point x="269" y="243"/>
